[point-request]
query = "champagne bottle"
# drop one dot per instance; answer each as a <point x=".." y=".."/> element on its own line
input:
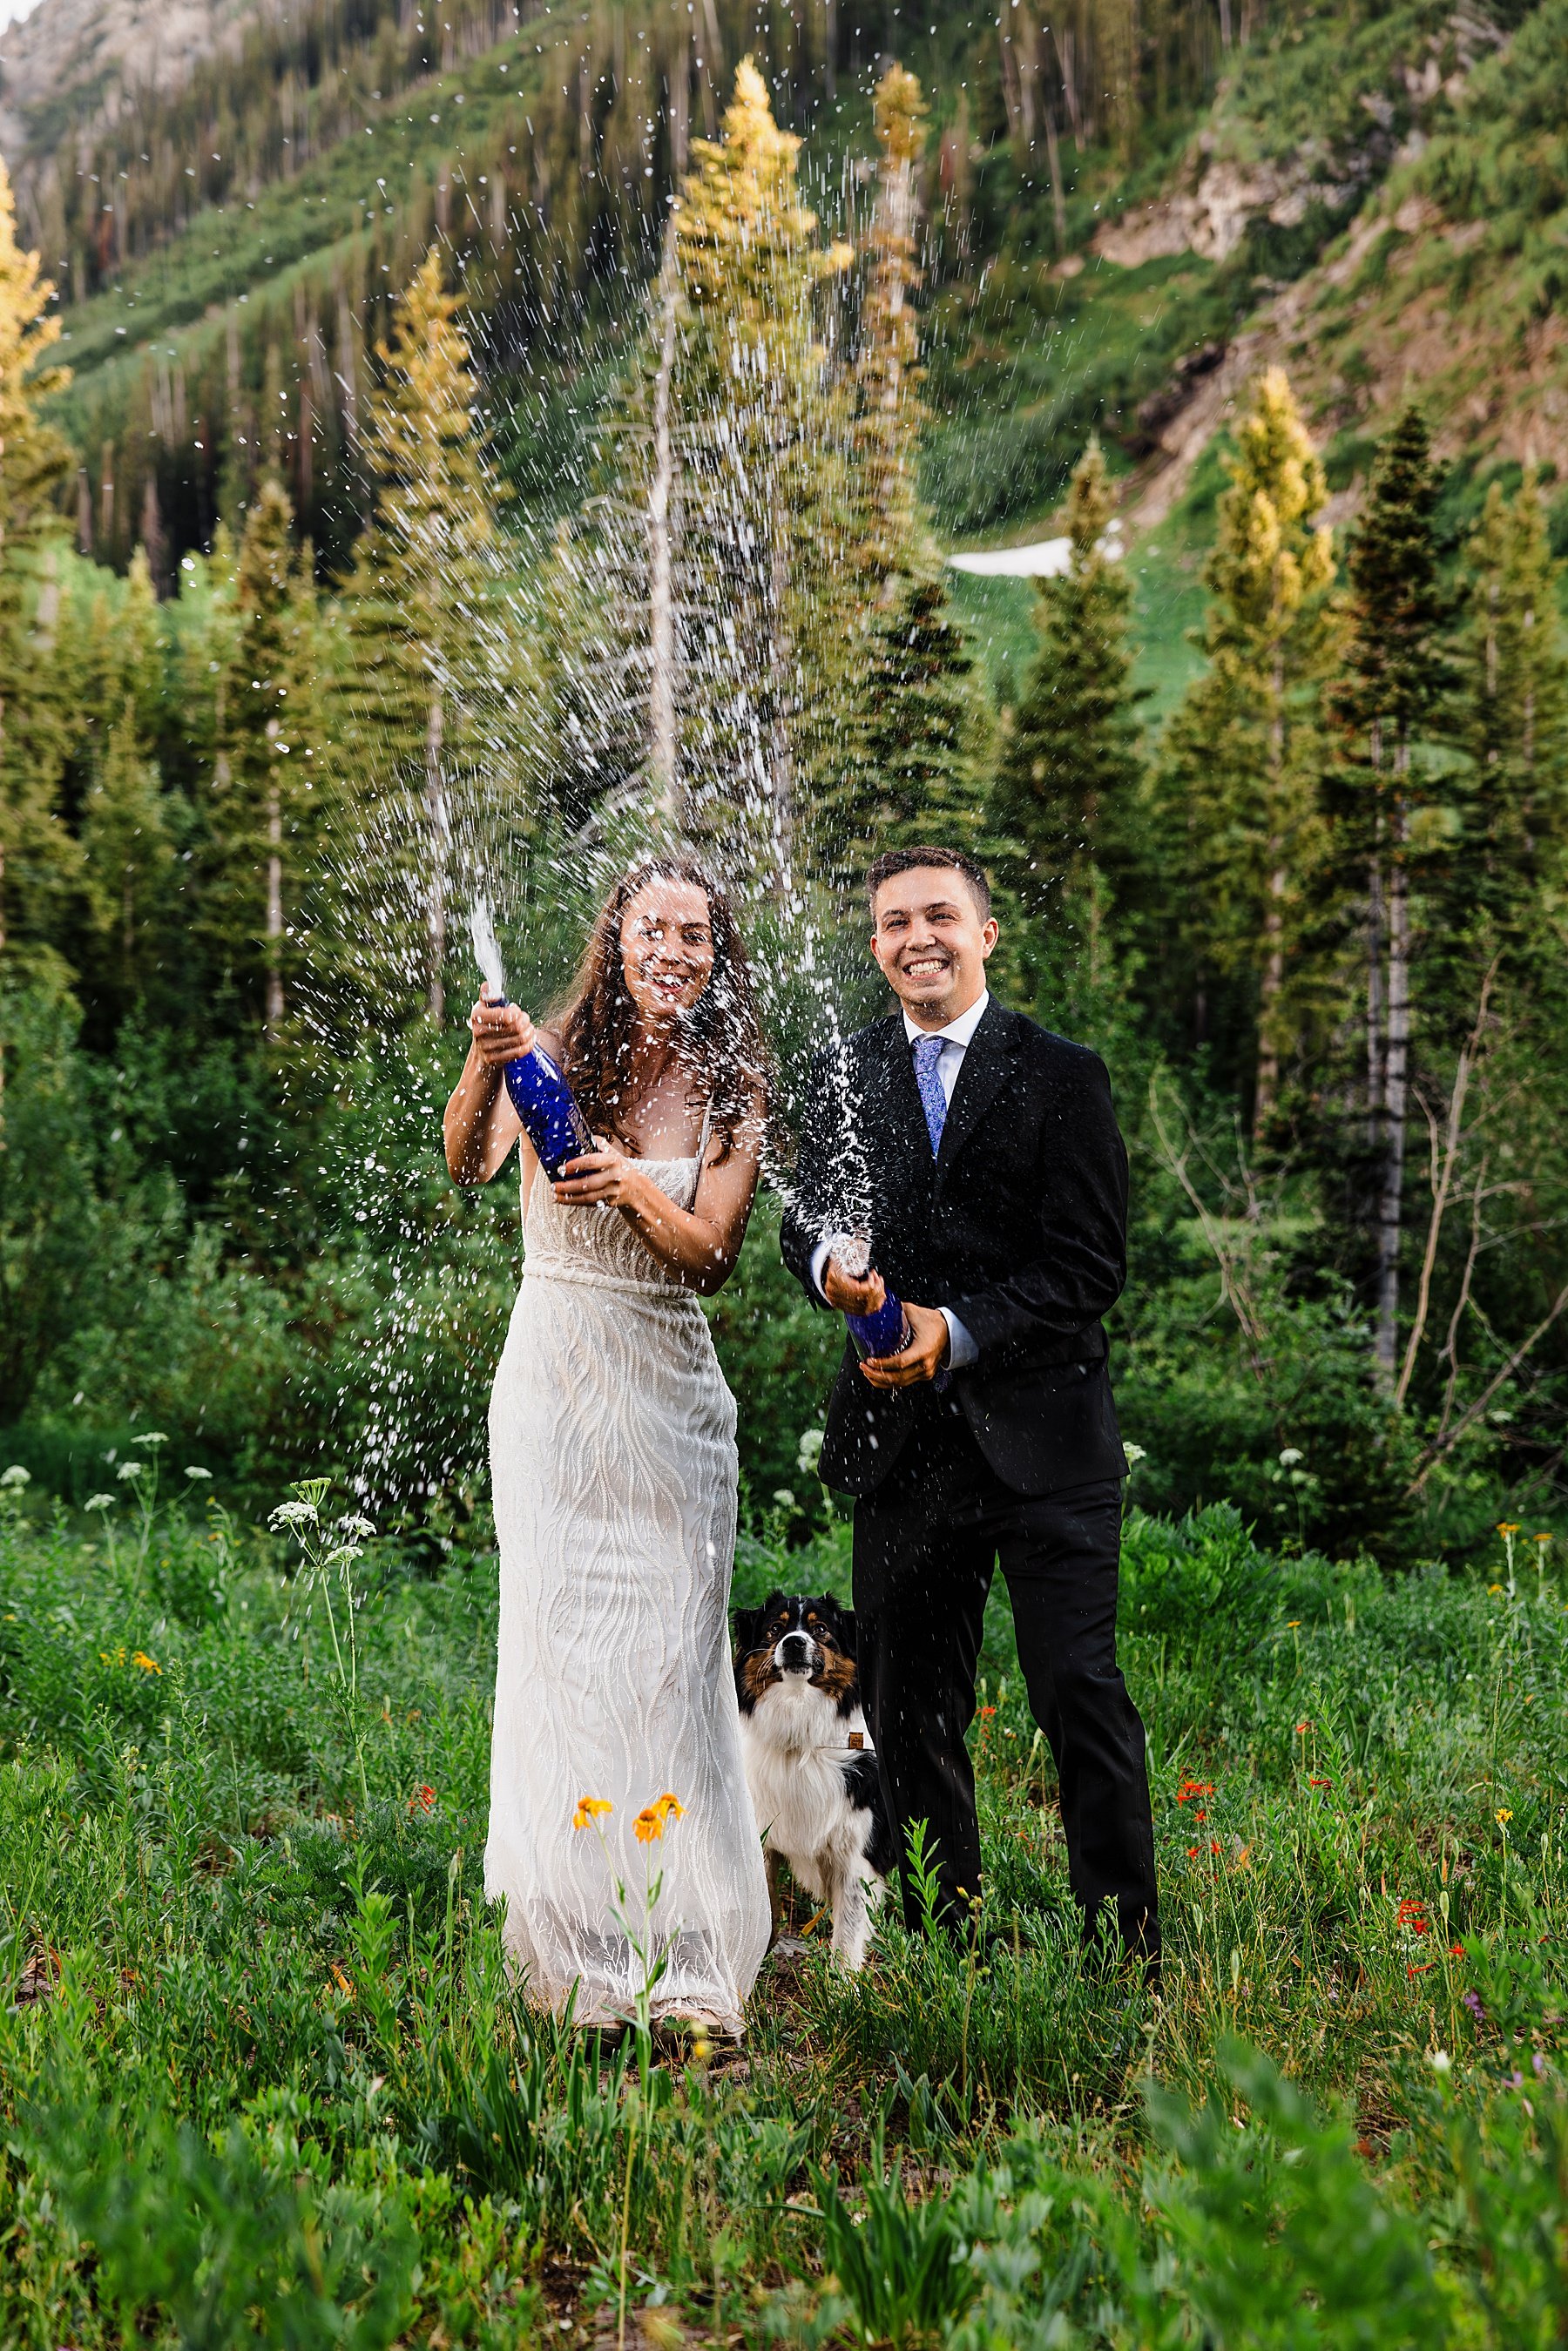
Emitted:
<point x="543" y="1100"/>
<point x="885" y="1331"/>
<point x="540" y="1095"/>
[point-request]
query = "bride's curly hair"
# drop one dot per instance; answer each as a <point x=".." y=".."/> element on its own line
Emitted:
<point x="719" y="1040"/>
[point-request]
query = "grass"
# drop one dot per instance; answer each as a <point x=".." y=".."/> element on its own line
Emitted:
<point x="264" y="2078"/>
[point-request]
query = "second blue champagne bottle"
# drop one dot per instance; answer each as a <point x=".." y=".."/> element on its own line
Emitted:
<point x="886" y="1330"/>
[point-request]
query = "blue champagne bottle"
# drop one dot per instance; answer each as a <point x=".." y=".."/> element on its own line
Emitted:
<point x="543" y="1100"/>
<point x="886" y="1331"/>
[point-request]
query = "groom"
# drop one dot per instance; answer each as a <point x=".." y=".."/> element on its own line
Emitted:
<point x="987" y="1152"/>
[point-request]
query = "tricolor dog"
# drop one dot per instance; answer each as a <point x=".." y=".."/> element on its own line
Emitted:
<point x="808" y="1759"/>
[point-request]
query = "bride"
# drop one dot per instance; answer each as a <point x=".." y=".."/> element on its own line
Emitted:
<point x="613" y="1470"/>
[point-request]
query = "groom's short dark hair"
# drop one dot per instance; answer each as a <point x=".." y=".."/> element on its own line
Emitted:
<point x="905" y="861"/>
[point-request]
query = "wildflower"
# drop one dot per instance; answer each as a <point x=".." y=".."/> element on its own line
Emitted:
<point x="1544" y="1536"/>
<point x="148" y="1664"/>
<point x="153" y="1436"/>
<point x="16" y="1475"/>
<point x="1506" y="1527"/>
<point x="293" y="1514"/>
<point x="357" y="1526"/>
<point x="987" y="1709"/>
<point x="808" y="1452"/>
<point x="1455" y="1951"/>
<point x="1214" y="1844"/>
<point x="1472" y="2000"/>
<point x="1189" y="1789"/>
<point x="1290" y="1456"/>
<point x="649" y="1825"/>
<point x="129" y="1469"/>
<point x="1192" y="1853"/>
<point x="1134" y="1454"/>
<point x="98" y="1502"/>
<point x="1293" y="1624"/>
<point x="1302" y="1728"/>
<point x="1440" y="2061"/>
<point x="342" y="1980"/>
<point x="589" y="1809"/>
<point x="1538" y="2066"/>
<point x="670" y="1807"/>
<point x="201" y="1477"/>
<point x="1494" y="1587"/>
<point x="1503" y="1816"/>
<point x="1200" y="1813"/>
<point x="422" y="1800"/>
<point x="783" y="1499"/>
<point x="1410" y="1914"/>
<point x="1320" y="1783"/>
<point x="1412" y="1971"/>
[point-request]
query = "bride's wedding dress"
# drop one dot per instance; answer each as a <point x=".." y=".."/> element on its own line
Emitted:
<point x="613" y="1469"/>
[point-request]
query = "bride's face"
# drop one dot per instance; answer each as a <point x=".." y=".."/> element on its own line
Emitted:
<point x="666" y="949"/>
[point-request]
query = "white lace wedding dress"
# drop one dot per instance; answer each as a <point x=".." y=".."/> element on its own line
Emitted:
<point x="613" y="1469"/>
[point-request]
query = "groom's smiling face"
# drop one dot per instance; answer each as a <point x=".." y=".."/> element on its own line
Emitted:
<point x="931" y="943"/>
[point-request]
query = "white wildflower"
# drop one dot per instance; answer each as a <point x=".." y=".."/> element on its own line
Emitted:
<point x="783" y="1497"/>
<point x="294" y="1514"/>
<point x="1133" y="1454"/>
<point x="16" y="1475"/>
<point x="130" y="1469"/>
<point x="98" y="1502"/>
<point x="362" y="1528"/>
<point x="1290" y="1456"/>
<point x="203" y="1476"/>
<point x="1440" y="2061"/>
<point x="810" y="1450"/>
<point x="153" y="1436"/>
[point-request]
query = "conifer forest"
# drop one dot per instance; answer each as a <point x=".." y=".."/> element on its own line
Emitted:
<point x="447" y="446"/>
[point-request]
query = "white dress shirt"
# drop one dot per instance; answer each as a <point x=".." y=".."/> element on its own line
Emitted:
<point x="956" y="1038"/>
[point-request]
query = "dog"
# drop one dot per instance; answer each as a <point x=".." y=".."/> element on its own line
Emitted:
<point x="810" y="1765"/>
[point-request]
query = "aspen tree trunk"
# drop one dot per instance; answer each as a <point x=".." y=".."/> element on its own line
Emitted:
<point x="1272" y="985"/>
<point x="1394" y="1092"/>
<point x="661" y="700"/>
<point x="1377" y="1004"/>
<point x="782" y="763"/>
<point x="435" y="809"/>
<point x="274" y="892"/>
<point x="1053" y="159"/>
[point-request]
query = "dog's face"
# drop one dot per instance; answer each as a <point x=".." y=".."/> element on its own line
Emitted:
<point x="794" y="1639"/>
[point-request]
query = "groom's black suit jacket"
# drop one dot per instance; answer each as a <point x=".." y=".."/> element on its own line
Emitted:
<point x="1020" y="1225"/>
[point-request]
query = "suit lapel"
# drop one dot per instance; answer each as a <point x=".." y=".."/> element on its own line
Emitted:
<point x="982" y="1074"/>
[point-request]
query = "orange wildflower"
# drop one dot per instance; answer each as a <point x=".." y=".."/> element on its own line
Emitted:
<point x="589" y="1809"/>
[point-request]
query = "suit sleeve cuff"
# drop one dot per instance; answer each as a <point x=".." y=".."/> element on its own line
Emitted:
<point x="819" y="1267"/>
<point x="961" y="1348"/>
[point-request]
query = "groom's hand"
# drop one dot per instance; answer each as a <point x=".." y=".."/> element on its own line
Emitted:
<point x="852" y="1297"/>
<point x="921" y="1360"/>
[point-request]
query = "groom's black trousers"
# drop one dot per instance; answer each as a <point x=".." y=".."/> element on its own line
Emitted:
<point x="926" y="1545"/>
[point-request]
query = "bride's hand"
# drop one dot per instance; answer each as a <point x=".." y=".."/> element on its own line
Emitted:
<point x="501" y="1032"/>
<point x="603" y="1174"/>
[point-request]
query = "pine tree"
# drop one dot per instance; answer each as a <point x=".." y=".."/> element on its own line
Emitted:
<point x="760" y="571"/>
<point x="906" y="763"/>
<point x="1072" y="766"/>
<point x="1512" y="707"/>
<point x="127" y="853"/>
<point x="262" y="816"/>
<point x="37" y="856"/>
<point x="428" y="653"/>
<point x="1389" y="697"/>
<point x="1242" y="754"/>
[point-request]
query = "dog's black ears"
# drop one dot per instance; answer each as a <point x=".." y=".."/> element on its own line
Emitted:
<point x="748" y="1624"/>
<point x="841" y="1619"/>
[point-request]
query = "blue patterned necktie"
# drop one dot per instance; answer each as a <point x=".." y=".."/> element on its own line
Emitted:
<point x="932" y="1101"/>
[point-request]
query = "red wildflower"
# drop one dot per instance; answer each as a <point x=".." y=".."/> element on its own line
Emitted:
<point x="422" y="1800"/>
<point x="1320" y="1783"/>
<point x="987" y="1709"/>
<point x="1214" y="1844"/>
<point x="1191" y="1788"/>
<point x="1425" y="1969"/>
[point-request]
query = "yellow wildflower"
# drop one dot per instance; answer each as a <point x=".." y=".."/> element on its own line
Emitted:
<point x="148" y="1664"/>
<point x="588" y="1809"/>
<point x="649" y="1825"/>
<point x="1503" y="1816"/>
<point x="670" y="1807"/>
